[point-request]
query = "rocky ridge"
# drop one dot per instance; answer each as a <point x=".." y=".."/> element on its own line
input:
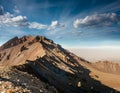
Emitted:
<point x="50" y="64"/>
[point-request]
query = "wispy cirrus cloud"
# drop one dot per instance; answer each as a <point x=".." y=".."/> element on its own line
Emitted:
<point x="105" y="19"/>
<point x="36" y="25"/>
<point x="111" y="7"/>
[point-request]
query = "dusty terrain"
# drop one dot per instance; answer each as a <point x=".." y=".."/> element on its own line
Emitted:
<point x="31" y="62"/>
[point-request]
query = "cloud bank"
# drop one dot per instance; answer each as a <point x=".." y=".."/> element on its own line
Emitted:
<point x="106" y="19"/>
<point x="8" y="19"/>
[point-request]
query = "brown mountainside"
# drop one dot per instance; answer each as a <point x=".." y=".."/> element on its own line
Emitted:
<point x="52" y="65"/>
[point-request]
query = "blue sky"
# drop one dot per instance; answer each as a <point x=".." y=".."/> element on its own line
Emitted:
<point x="71" y="23"/>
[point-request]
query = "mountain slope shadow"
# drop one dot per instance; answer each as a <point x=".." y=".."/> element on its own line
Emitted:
<point x="65" y="82"/>
<point x="67" y="75"/>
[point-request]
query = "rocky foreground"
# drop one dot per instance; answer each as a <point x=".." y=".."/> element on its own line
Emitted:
<point x="16" y="81"/>
<point x="38" y="65"/>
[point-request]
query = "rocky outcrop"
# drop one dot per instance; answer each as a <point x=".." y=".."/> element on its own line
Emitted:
<point x="16" y="81"/>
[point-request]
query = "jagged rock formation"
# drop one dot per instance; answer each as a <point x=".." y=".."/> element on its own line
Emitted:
<point x="50" y="63"/>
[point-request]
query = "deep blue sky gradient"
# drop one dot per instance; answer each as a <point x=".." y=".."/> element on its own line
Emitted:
<point x="65" y="12"/>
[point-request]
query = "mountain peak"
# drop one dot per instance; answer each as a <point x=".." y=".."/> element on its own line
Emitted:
<point x="31" y="39"/>
<point x="17" y="50"/>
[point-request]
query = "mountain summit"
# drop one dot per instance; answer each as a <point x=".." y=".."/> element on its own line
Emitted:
<point x="59" y="70"/>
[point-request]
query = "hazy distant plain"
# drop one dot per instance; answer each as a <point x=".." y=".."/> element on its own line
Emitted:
<point x="98" y="54"/>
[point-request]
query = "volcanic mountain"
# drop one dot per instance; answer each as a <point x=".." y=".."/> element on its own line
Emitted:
<point x="35" y="64"/>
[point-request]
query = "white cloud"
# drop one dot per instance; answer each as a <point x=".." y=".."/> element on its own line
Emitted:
<point x="55" y="25"/>
<point x="5" y="19"/>
<point x="36" y="25"/>
<point x="20" y="21"/>
<point x="19" y="18"/>
<point x="8" y="19"/>
<point x="105" y="19"/>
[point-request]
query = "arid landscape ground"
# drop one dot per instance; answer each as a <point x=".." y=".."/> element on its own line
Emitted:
<point x="35" y="64"/>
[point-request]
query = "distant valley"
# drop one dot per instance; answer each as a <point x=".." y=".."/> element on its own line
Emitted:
<point x="98" y="54"/>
